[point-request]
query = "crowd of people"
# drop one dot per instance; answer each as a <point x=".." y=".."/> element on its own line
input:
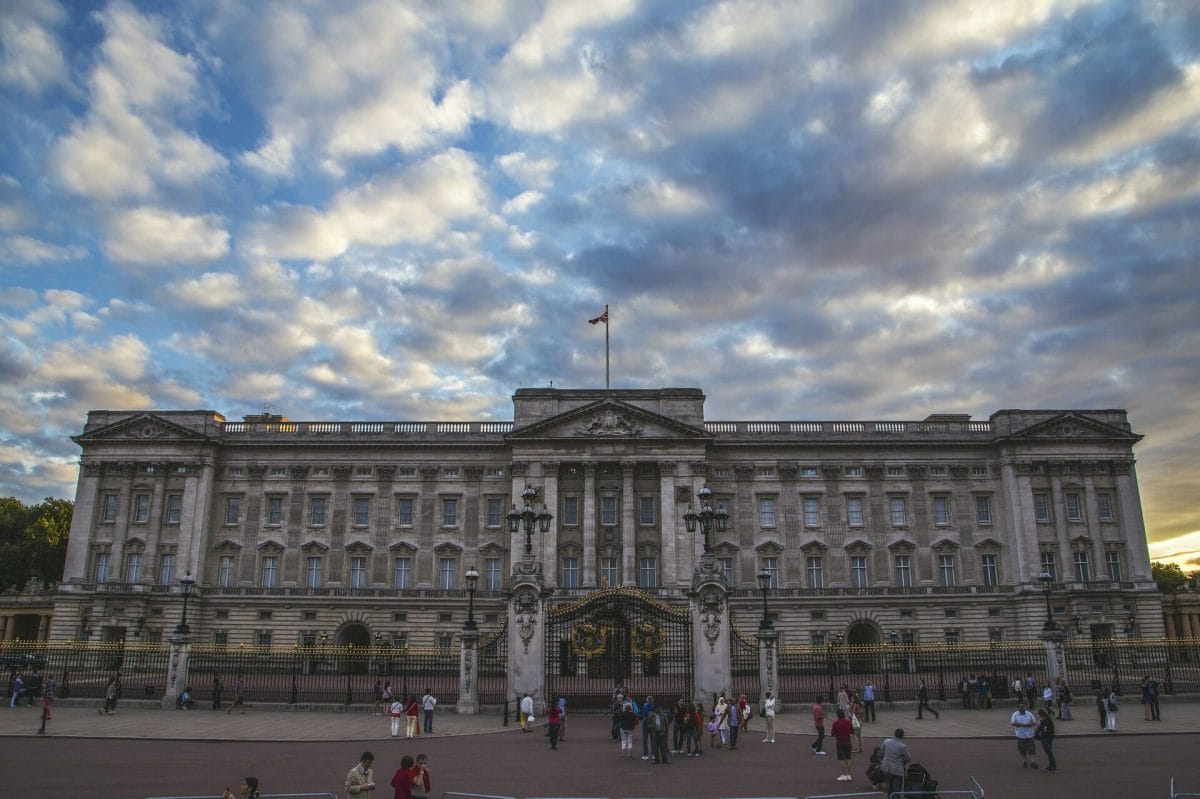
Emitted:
<point x="412" y="780"/>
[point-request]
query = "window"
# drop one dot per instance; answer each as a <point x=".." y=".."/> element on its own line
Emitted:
<point x="897" y="511"/>
<point x="446" y="577"/>
<point x="225" y="571"/>
<point x="726" y="569"/>
<point x="363" y="471"/>
<point x="952" y="637"/>
<point x="1112" y="562"/>
<point x="449" y="512"/>
<point x="404" y="512"/>
<point x="270" y="571"/>
<point x="648" y="572"/>
<point x="133" y="567"/>
<point x="1082" y="572"/>
<point x="858" y="571"/>
<point x="1074" y="508"/>
<point x="399" y="640"/>
<point x="274" y="511"/>
<point x="445" y="640"/>
<point x="313" y="566"/>
<point x="983" y="510"/>
<point x="904" y="571"/>
<point x="1041" y="508"/>
<point x="279" y="471"/>
<point x="854" y="471"/>
<point x="941" y="511"/>
<point x="818" y="639"/>
<point x="264" y="638"/>
<point x="771" y="566"/>
<point x="451" y="471"/>
<point x="937" y="471"/>
<point x="895" y="471"/>
<point x="493" y="578"/>
<point x="812" y="512"/>
<point x="316" y="511"/>
<point x="358" y="572"/>
<point x="402" y="573"/>
<point x="571" y="511"/>
<point x="495" y="471"/>
<point x="990" y="569"/>
<point x="854" y="511"/>
<point x="766" y="512"/>
<point x="108" y="510"/>
<point x="320" y="471"/>
<point x="816" y="572"/>
<point x="766" y="471"/>
<point x="808" y="471"/>
<point x="237" y="471"/>
<point x="221" y="637"/>
<point x="645" y="510"/>
<point x="946" y="569"/>
<point x="493" y="512"/>
<point x="233" y="506"/>
<point x="979" y="471"/>
<point x="362" y="511"/>
<point x="174" y="509"/>
<point x="100" y="568"/>
<point x="610" y="572"/>
<point x="141" y="508"/>
<point x="1104" y="506"/>
<point x="569" y="577"/>
<point x="608" y="510"/>
<point x="1049" y="566"/>
<point x="166" y="568"/>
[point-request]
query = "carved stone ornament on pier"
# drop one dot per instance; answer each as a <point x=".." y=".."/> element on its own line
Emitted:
<point x="608" y="423"/>
<point x="525" y="612"/>
<point x="712" y="609"/>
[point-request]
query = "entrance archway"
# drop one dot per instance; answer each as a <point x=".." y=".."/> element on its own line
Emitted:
<point x="864" y="634"/>
<point x="355" y="635"/>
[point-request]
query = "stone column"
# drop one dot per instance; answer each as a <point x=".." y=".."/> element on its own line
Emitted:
<point x="1056" y="661"/>
<point x="468" y="674"/>
<point x="628" y="525"/>
<point x="527" y="594"/>
<point x="710" y="630"/>
<point x="550" y="500"/>
<point x="83" y="522"/>
<point x="673" y="572"/>
<point x="768" y="664"/>
<point x="177" y="670"/>
<point x="1133" y="525"/>
<point x="589" y="525"/>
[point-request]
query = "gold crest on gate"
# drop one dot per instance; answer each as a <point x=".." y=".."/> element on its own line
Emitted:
<point x="647" y="640"/>
<point x="588" y="640"/>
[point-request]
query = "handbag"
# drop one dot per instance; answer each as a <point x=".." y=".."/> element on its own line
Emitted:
<point x="855" y="723"/>
<point x="418" y="789"/>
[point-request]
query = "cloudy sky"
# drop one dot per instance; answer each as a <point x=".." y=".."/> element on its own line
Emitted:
<point x="405" y="211"/>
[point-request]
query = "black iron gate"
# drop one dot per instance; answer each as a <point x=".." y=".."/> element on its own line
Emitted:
<point x="617" y="636"/>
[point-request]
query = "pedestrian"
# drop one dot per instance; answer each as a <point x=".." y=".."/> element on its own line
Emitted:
<point x="49" y="692"/>
<point x="843" y="699"/>
<point x="868" y="695"/>
<point x="361" y="778"/>
<point x="18" y="689"/>
<point x="1150" y="698"/>
<point x="402" y="780"/>
<point x="1018" y="688"/>
<point x="722" y="721"/>
<point x="856" y="719"/>
<point x="1102" y="705"/>
<point x="644" y="716"/>
<point x="239" y="696"/>
<point x="735" y="724"/>
<point x="661" y="721"/>
<point x="1024" y="723"/>
<point x="185" y="701"/>
<point x="377" y="696"/>
<point x="1030" y="690"/>
<point x="615" y="710"/>
<point x="396" y="711"/>
<point x="1110" y="707"/>
<point x="973" y="692"/>
<point x="553" y="723"/>
<point x="985" y="693"/>
<point x="894" y="762"/>
<point x="247" y="790"/>
<point x="963" y="693"/>
<point x="1064" y="700"/>
<point x="923" y="701"/>
<point x="1155" y="715"/>
<point x="422" y="783"/>
<point x="1045" y="734"/>
<point x="429" y="705"/>
<point x="679" y="726"/>
<point x="110" y="697"/>
<point x="411" y="709"/>
<point x="526" y="709"/>
<point x="698" y="722"/>
<point x="218" y="687"/>
<point x="627" y="720"/>
<point x="842" y="732"/>
<point x="744" y="713"/>
<point x="770" y="703"/>
<point x="562" y="717"/>
<point x="1048" y="699"/>
<point x="818" y="717"/>
<point x="388" y="697"/>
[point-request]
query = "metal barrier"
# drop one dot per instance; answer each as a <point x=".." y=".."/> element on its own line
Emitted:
<point x="262" y="795"/>
<point x="1187" y="794"/>
<point x="846" y="795"/>
<point x="975" y="791"/>
<point x="456" y="795"/>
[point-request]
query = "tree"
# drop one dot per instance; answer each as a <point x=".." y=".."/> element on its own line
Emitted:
<point x="33" y="541"/>
<point x="1169" y="577"/>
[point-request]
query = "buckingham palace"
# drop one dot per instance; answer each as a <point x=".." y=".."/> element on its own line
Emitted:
<point x="285" y="532"/>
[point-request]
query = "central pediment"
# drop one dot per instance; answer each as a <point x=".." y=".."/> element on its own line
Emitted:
<point x="608" y="419"/>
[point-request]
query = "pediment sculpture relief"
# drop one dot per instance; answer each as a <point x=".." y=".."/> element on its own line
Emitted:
<point x="607" y="423"/>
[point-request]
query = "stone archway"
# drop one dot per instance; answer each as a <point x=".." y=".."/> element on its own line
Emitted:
<point x="354" y="634"/>
<point x="864" y="633"/>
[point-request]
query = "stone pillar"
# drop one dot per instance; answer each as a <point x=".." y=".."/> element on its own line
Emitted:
<point x="6" y="625"/>
<point x="550" y="541"/>
<point x="768" y="664"/>
<point x="177" y="670"/>
<point x="628" y="525"/>
<point x="83" y="522"/>
<point x="589" y="525"/>
<point x="1056" y="661"/>
<point x="668" y="524"/>
<point x="468" y="674"/>
<point x="43" y="633"/>
<point x="710" y="630"/>
<point x="527" y="594"/>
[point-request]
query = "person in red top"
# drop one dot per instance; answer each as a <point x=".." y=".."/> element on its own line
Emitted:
<point x="402" y="780"/>
<point x="553" y="722"/>
<point x="410" y="712"/>
<point x="818" y="714"/>
<point x="842" y="732"/>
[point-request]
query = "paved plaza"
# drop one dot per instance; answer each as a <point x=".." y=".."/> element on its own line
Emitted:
<point x="143" y="752"/>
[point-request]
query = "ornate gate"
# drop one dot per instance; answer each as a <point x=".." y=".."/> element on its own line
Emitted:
<point x="617" y="636"/>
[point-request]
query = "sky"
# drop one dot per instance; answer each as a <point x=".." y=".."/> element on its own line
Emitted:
<point x="406" y="211"/>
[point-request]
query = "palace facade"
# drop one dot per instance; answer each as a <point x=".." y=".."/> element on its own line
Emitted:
<point x="359" y="532"/>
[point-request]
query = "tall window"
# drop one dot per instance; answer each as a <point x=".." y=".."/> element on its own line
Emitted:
<point x="569" y="573"/>
<point x="1050" y="566"/>
<point x="1112" y="562"/>
<point x="610" y="572"/>
<point x="233" y="506"/>
<point x="726" y="565"/>
<point x="166" y="568"/>
<point x="225" y="571"/>
<point x="141" y="508"/>
<point x="946" y="569"/>
<point x="313" y="566"/>
<point x="1074" y="508"/>
<point x="766" y="512"/>
<point x="404" y="512"/>
<point x="646" y="513"/>
<point x="402" y="573"/>
<point x="494" y="512"/>
<point x="174" y="508"/>
<point x="316" y="511"/>
<point x="133" y="567"/>
<point x="816" y="572"/>
<point x="771" y="566"/>
<point x="449" y="512"/>
<point x="570" y="511"/>
<point x="608" y="510"/>
<point x="108" y="509"/>
<point x="1082" y="570"/>
<point x="858" y="571"/>
<point x="358" y="572"/>
<point x="1041" y="508"/>
<point x="990" y="568"/>
<point x="274" y="511"/>
<point x="983" y="509"/>
<point x="362" y="511"/>
<point x="493" y="579"/>
<point x="903" y="571"/>
<point x="854" y="511"/>
<point x="897" y="511"/>
<point x="270" y="571"/>
<point x="1104" y="506"/>
<point x="100" y="568"/>
<point x="446" y="573"/>
<point x="648" y="572"/>
<point x="812" y="512"/>
<point x="941" y="510"/>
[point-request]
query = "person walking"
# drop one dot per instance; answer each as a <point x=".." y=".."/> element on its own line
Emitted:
<point x="1064" y="700"/>
<point x="735" y="724"/>
<point x="1110" y="707"/>
<point x="1102" y="705"/>
<point x="18" y="689"/>
<point x="1045" y="734"/>
<point x="868" y="696"/>
<point x="843" y="699"/>
<point x="644" y="716"/>
<point x="661" y="721"/>
<point x="1048" y="698"/>
<point x="769" y="705"/>
<point x="842" y="732"/>
<point x="402" y="780"/>
<point x="856" y="719"/>
<point x="627" y="720"/>
<point x="818" y="717"/>
<point x="553" y="723"/>
<point x="722" y="714"/>
<point x="894" y="762"/>
<point x="923" y="701"/>
<point x="218" y="687"/>
<point x="698" y="730"/>
<point x="526" y="710"/>
<point x="396" y="711"/>
<point x="410" y="716"/>
<point x="679" y="726"/>
<point x="360" y="781"/>
<point x="744" y="713"/>
<point x="110" y="696"/>
<point x="562" y="717"/>
<point x="429" y="705"/>
<point x="239" y="696"/>
<point x="1150" y="699"/>
<point x="1024" y="723"/>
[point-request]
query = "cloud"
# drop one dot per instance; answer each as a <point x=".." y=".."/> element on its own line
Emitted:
<point x="29" y="250"/>
<point x="31" y="57"/>
<point x="156" y="236"/>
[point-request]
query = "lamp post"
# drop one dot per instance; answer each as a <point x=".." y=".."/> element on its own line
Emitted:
<point x="472" y="578"/>
<point x="528" y="517"/>
<point x="187" y="581"/>
<point x="764" y="585"/>
<point x="707" y="517"/>
<point x="893" y="636"/>
<point x="1047" y="581"/>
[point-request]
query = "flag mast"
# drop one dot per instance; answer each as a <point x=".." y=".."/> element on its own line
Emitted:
<point x="603" y="318"/>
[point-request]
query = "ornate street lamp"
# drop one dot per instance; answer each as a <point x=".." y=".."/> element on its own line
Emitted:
<point x="764" y="585"/>
<point x="707" y="518"/>
<point x="472" y="578"/>
<point x="528" y="517"/>
<point x="1047" y="581"/>
<point x="187" y="581"/>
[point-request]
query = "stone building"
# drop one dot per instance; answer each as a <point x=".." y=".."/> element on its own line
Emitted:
<point x="354" y="532"/>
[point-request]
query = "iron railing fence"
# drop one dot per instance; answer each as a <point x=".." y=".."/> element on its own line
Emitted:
<point x="493" y="667"/>
<point x="743" y="665"/>
<point x="82" y="669"/>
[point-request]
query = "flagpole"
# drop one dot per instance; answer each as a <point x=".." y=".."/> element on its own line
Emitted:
<point x="606" y="326"/>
